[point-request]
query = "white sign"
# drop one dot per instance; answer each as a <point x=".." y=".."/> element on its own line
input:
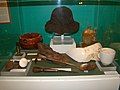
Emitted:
<point x="4" y="12"/>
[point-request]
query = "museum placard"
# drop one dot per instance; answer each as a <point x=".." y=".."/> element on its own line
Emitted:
<point x="4" y="12"/>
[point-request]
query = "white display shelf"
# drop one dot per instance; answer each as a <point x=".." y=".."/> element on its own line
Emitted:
<point x="109" y="81"/>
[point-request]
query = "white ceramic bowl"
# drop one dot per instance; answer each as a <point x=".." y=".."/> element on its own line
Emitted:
<point x="107" y="55"/>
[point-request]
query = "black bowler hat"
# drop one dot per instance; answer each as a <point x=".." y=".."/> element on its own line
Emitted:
<point x="62" y="22"/>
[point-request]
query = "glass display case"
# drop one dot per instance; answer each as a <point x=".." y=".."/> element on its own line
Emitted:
<point x="31" y="16"/>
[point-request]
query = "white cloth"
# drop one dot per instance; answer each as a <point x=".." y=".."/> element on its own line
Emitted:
<point x="85" y="54"/>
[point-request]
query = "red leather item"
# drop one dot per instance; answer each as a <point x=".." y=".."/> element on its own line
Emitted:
<point x="62" y="22"/>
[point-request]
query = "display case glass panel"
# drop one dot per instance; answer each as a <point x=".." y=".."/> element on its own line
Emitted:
<point x="27" y="16"/>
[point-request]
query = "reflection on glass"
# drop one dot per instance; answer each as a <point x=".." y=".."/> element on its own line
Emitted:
<point x="107" y="36"/>
<point x="7" y="44"/>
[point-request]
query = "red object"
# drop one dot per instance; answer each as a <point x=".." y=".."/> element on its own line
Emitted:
<point x="30" y="40"/>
